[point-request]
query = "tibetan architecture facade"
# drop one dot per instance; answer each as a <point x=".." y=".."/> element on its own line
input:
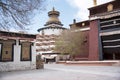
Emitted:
<point x="84" y="28"/>
<point x="17" y="51"/>
<point x="104" y="31"/>
<point x="47" y="35"/>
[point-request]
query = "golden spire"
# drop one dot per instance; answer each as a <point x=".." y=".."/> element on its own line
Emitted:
<point x="95" y="2"/>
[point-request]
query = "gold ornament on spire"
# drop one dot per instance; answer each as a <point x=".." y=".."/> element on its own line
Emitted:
<point x="95" y="2"/>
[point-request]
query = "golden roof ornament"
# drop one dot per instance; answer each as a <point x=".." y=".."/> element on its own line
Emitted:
<point x="110" y="7"/>
<point x="53" y="17"/>
<point x="95" y="2"/>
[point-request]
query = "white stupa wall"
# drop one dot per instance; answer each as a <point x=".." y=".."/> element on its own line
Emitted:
<point x="49" y="31"/>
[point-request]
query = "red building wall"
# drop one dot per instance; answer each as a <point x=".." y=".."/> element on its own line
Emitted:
<point x="85" y="47"/>
<point x="93" y="41"/>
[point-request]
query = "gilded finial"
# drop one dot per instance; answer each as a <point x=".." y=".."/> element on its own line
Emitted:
<point x="95" y="2"/>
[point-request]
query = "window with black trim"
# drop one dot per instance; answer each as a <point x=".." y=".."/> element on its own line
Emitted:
<point x="26" y="51"/>
<point x="7" y="50"/>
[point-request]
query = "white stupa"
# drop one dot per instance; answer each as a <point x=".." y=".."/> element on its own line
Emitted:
<point x="53" y="25"/>
<point x="47" y="34"/>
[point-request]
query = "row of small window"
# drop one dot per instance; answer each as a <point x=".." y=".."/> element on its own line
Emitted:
<point x="112" y="23"/>
<point x="45" y="39"/>
<point x="48" y="49"/>
<point x="7" y="51"/>
<point x="46" y="36"/>
<point x="45" y="44"/>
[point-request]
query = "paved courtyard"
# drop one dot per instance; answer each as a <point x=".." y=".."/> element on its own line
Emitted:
<point x="65" y="72"/>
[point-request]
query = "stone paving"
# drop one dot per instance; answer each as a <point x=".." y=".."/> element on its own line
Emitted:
<point x="65" y="72"/>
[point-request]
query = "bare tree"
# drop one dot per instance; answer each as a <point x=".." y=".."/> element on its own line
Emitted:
<point x="17" y="13"/>
<point x="70" y="42"/>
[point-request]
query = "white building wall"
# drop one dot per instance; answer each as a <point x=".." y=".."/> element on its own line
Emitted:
<point x="33" y="65"/>
<point x="50" y="31"/>
<point x="16" y="64"/>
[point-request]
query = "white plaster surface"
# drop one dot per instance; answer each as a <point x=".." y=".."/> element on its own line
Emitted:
<point x="51" y="31"/>
<point x="17" y="64"/>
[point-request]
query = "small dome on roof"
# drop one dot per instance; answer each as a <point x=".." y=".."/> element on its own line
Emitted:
<point x="53" y="17"/>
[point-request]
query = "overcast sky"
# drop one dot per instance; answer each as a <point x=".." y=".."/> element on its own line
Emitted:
<point x="69" y="10"/>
